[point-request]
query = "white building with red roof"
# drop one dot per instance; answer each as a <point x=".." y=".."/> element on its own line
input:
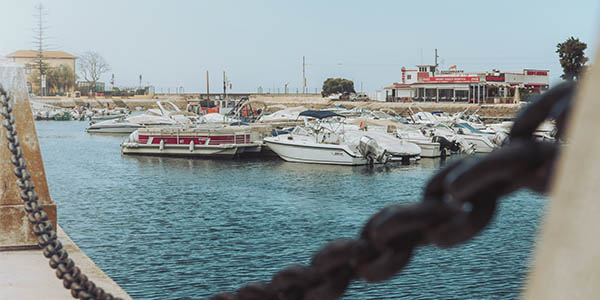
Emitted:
<point x="426" y="83"/>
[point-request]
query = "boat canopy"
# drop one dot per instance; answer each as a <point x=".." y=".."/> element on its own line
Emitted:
<point x="319" y="114"/>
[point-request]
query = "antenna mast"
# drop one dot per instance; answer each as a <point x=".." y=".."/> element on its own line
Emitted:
<point x="207" y="91"/>
<point x="224" y="86"/>
<point x="436" y="59"/>
<point x="303" y="76"/>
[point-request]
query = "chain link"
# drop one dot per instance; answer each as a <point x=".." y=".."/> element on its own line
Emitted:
<point x="458" y="202"/>
<point x="79" y="284"/>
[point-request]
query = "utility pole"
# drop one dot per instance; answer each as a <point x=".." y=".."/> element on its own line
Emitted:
<point x="224" y="86"/>
<point x="140" y="81"/>
<point x="436" y="60"/>
<point x="303" y="76"/>
<point x="207" y="91"/>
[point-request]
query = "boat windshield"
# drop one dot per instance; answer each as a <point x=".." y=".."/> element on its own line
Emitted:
<point x="469" y="127"/>
<point x="301" y="130"/>
<point x="441" y="125"/>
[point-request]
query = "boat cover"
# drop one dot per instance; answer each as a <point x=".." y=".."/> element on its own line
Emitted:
<point x="319" y="114"/>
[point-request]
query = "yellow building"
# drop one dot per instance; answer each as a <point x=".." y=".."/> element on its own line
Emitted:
<point x="53" y="59"/>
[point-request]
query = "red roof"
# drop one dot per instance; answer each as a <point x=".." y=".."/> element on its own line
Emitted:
<point x="34" y="53"/>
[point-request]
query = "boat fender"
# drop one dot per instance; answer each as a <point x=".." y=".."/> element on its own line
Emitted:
<point x="192" y="146"/>
<point x="161" y="146"/>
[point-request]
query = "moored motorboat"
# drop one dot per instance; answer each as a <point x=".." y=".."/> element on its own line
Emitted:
<point x="167" y="114"/>
<point x="130" y="124"/>
<point x="333" y="142"/>
<point x="298" y="147"/>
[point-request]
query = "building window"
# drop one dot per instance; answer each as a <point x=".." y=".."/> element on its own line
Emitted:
<point x="408" y="77"/>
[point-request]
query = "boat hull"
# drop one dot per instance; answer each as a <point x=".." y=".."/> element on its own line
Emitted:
<point x="223" y="150"/>
<point x="115" y="129"/>
<point x="191" y="142"/>
<point x="314" y="153"/>
<point x="428" y="149"/>
<point x="482" y="144"/>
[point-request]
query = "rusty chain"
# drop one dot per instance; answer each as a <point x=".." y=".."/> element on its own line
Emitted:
<point x="79" y="284"/>
<point x="458" y="202"/>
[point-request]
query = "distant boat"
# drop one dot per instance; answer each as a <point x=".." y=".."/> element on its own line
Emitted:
<point x="129" y="125"/>
<point x="167" y="114"/>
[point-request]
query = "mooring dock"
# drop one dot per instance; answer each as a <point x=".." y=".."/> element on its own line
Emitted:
<point x="25" y="274"/>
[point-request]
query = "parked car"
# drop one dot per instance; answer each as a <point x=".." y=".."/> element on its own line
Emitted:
<point x="359" y="97"/>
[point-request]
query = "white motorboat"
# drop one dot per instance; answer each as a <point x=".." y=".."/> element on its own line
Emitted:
<point x="169" y="110"/>
<point x="383" y="132"/>
<point x="483" y="141"/>
<point x="167" y="114"/>
<point x="113" y="126"/>
<point x="429" y="149"/>
<point x="407" y="135"/>
<point x="130" y="124"/>
<point x="323" y="142"/>
<point x="103" y="114"/>
<point x="480" y="143"/>
<point x="300" y="146"/>
<point x="286" y="114"/>
<point x="424" y="117"/>
<point x="399" y="149"/>
<point x="441" y="133"/>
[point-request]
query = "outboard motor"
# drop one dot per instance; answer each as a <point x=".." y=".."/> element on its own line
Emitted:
<point x="445" y="145"/>
<point x="464" y="145"/>
<point x="369" y="148"/>
<point x="455" y="146"/>
<point x="500" y="139"/>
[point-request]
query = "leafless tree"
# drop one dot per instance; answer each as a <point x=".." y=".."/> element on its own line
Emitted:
<point x="92" y="65"/>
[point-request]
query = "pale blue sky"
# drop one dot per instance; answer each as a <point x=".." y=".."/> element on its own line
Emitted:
<point x="261" y="43"/>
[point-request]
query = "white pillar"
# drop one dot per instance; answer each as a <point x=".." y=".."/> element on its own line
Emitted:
<point x="485" y="91"/>
<point x="469" y="94"/>
<point x="453" y="94"/>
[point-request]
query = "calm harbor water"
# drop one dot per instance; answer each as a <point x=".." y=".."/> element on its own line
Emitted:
<point x="170" y="228"/>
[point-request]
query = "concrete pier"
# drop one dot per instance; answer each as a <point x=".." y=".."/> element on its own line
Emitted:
<point x="25" y="274"/>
